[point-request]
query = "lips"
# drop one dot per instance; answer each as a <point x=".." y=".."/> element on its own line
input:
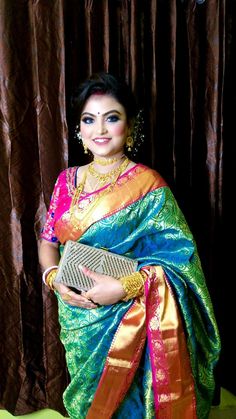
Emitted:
<point x="101" y="140"/>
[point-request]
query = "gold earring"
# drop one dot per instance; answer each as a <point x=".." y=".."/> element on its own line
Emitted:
<point x="129" y="143"/>
<point x="85" y="148"/>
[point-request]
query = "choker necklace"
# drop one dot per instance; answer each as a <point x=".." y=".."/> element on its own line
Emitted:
<point x="107" y="177"/>
<point x="107" y="162"/>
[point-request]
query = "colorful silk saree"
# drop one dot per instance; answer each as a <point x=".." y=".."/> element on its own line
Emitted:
<point x="151" y="357"/>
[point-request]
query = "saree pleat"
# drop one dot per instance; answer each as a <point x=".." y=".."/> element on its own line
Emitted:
<point x="122" y="362"/>
<point x="87" y="336"/>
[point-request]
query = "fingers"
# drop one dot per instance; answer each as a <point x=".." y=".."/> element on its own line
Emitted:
<point x="66" y="297"/>
<point x="91" y="298"/>
<point x="74" y="299"/>
<point x="84" y="300"/>
<point x="91" y="274"/>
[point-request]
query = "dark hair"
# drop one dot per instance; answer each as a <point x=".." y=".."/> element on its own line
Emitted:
<point x="108" y="84"/>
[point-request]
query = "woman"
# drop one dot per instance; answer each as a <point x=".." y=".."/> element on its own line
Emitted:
<point x="145" y="345"/>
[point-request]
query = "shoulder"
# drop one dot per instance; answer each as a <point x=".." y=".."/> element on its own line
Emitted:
<point x="151" y="176"/>
<point x="66" y="178"/>
<point x="67" y="173"/>
<point x="151" y="171"/>
<point x="72" y="175"/>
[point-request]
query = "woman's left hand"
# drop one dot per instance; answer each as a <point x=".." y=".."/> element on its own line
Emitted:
<point x="107" y="290"/>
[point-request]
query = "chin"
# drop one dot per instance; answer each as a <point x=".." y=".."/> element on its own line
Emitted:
<point x="108" y="153"/>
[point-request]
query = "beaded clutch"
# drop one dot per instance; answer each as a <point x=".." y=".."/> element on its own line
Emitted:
<point x="98" y="260"/>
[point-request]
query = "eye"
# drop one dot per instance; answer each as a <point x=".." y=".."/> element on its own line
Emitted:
<point x="87" y="120"/>
<point x="113" y="118"/>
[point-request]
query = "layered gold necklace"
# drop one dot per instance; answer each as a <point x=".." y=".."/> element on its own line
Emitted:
<point x="105" y="178"/>
<point x="110" y="177"/>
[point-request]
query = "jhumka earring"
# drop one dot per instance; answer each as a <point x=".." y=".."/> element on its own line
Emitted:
<point x="129" y="143"/>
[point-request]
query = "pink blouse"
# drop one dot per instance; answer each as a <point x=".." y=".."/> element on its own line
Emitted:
<point x="60" y="202"/>
<point x="62" y="195"/>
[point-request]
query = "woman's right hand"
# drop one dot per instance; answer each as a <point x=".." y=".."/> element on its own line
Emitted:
<point x="49" y="256"/>
<point x="72" y="298"/>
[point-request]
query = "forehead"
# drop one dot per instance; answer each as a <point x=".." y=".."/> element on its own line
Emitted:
<point x="102" y="103"/>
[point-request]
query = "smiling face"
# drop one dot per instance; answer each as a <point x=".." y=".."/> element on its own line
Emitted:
<point x="103" y="126"/>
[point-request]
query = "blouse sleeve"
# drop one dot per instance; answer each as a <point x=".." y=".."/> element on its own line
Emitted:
<point x="48" y="231"/>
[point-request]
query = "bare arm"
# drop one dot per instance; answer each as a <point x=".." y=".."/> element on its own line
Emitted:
<point x="48" y="254"/>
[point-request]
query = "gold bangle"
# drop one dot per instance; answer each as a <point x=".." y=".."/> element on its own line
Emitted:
<point x="50" y="278"/>
<point x="133" y="285"/>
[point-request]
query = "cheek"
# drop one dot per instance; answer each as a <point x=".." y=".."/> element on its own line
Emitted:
<point x="119" y="130"/>
<point x="85" y="130"/>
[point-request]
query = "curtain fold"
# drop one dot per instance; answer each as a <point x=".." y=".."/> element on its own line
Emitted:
<point x="33" y="149"/>
<point x="177" y="56"/>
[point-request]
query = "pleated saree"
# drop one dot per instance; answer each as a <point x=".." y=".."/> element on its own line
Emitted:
<point x="151" y="357"/>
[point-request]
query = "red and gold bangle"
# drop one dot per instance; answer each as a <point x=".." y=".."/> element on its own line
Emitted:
<point x="133" y="284"/>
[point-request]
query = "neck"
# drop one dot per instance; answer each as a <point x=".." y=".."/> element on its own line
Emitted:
<point x="108" y="176"/>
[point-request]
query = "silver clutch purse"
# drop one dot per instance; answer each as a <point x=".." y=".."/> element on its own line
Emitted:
<point x="98" y="260"/>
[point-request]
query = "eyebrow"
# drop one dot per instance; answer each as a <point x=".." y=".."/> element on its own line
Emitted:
<point x="104" y="114"/>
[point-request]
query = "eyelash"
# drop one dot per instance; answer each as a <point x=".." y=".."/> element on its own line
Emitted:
<point x="89" y="120"/>
<point x="113" y="118"/>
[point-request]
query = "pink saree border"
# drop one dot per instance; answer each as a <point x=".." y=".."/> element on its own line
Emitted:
<point x="173" y="384"/>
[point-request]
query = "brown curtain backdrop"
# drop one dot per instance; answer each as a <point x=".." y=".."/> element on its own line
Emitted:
<point x="178" y="57"/>
<point x="33" y="135"/>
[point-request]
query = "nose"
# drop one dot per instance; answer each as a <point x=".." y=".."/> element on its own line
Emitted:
<point x="101" y="126"/>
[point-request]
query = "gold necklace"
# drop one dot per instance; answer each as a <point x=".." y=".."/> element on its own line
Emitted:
<point x="75" y="214"/>
<point x="78" y="190"/>
<point x="107" y="162"/>
<point x="105" y="177"/>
